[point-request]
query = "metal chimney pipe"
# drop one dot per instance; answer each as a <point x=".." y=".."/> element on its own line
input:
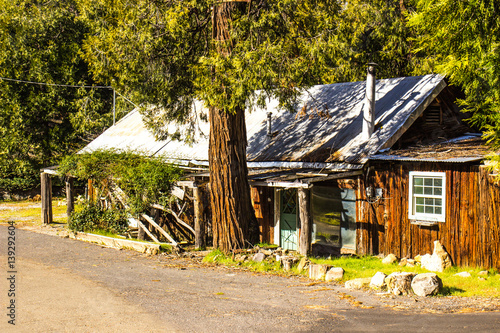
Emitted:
<point x="369" y="109"/>
<point x="269" y="124"/>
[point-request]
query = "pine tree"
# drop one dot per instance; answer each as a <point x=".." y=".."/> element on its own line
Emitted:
<point x="463" y="41"/>
<point x="220" y="52"/>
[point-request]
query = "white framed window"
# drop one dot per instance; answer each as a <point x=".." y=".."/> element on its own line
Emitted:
<point x="427" y="197"/>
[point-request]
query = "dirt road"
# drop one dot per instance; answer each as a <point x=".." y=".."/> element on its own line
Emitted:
<point x="63" y="285"/>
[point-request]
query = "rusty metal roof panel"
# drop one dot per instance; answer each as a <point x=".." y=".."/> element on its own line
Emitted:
<point x="330" y="127"/>
<point x="325" y="130"/>
<point x="463" y="149"/>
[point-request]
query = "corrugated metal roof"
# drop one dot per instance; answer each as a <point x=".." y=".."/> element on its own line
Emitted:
<point x="463" y="149"/>
<point x="326" y="133"/>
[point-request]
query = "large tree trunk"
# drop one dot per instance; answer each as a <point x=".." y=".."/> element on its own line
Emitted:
<point x="233" y="217"/>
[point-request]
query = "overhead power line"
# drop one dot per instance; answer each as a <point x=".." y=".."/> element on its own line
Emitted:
<point x="56" y="85"/>
<point x="75" y="86"/>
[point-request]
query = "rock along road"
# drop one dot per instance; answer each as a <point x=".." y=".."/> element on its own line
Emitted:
<point x="63" y="285"/>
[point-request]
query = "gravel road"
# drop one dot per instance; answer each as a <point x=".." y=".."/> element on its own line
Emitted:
<point x="63" y="285"/>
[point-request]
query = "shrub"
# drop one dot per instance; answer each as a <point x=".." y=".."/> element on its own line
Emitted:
<point x="91" y="217"/>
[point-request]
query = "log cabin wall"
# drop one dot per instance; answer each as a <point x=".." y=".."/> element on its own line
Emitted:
<point x="263" y="204"/>
<point x="470" y="234"/>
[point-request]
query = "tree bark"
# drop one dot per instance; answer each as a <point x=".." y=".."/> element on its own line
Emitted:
<point x="233" y="218"/>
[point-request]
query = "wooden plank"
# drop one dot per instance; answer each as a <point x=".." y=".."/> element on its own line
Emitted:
<point x="46" y="194"/>
<point x="70" y="197"/>
<point x="199" y="225"/>
<point x="160" y="229"/>
<point x="145" y="229"/>
<point x="305" y="221"/>
<point x="181" y="222"/>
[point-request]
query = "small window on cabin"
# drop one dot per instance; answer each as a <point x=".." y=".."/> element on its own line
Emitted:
<point x="427" y="201"/>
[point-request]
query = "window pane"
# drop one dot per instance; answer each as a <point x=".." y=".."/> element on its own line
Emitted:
<point x="438" y="210"/>
<point x="428" y="190"/>
<point x="428" y="181"/>
<point x="429" y="202"/>
<point x="438" y="191"/>
<point x="429" y="210"/>
<point x="418" y="181"/>
<point x="420" y="201"/>
<point x="420" y="209"/>
<point x="418" y="190"/>
<point x="438" y="202"/>
<point x="438" y="182"/>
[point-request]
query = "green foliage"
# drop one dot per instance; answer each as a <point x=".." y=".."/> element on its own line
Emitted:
<point x="42" y="41"/>
<point x="144" y="180"/>
<point x="463" y="41"/>
<point x="91" y="217"/>
<point x="164" y="51"/>
<point x="376" y="32"/>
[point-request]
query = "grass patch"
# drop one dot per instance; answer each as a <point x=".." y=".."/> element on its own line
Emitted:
<point x="268" y="265"/>
<point x="28" y="211"/>
<point x="476" y="285"/>
<point x="367" y="266"/>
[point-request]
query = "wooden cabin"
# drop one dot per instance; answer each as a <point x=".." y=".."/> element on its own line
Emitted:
<point x="354" y="172"/>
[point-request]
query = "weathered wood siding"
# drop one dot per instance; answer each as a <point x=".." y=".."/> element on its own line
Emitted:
<point x="471" y="232"/>
<point x="263" y="204"/>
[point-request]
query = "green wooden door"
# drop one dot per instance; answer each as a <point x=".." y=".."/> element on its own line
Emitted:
<point x="288" y="219"/>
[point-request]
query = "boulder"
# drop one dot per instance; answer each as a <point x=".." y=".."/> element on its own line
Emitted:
<point x="426" y="284"/>
<point x="441" y="252"/>
<point x="259" y="257"/>
<point x="378" y="281"/>
<point x="418" y="258"/>
<point x="303" y="264"/>
<point x="463" y="274"/>
<point x="389" y="259"/>
<point x="399" y="283"/>
<point x="410" y="263"/>
<point x="483" y="273"/>
<point x="334" y="274"/>
<point x="358" y="283"/>
<point x="318" y="271"/>
<point x="403" y="262"/>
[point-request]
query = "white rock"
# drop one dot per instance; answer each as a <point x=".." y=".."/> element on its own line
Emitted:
<point x="463" y="274"/>
<point x="358" y="283"/>
<point x="389" y="259"/>
<point x="317" y="271"/>
<point x="334" y="274"/>
<point x="378" y="281"/>
<point x="426" y="284"/>
<point x="399" y="283"/>
<point x="259" y="257"/>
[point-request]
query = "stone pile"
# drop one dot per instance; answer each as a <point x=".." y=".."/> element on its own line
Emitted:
<point x="400" y="283"/>
<point x="437" y="262"/>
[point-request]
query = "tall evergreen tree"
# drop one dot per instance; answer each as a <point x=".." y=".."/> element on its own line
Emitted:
<point x="41" y="41"/>
<point x="219" y="52"/>
<point x="463" y="41"/>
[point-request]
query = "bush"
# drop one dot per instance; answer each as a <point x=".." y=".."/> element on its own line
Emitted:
<point x="92" y="218"/>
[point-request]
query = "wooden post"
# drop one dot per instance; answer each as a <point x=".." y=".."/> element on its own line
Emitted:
<point x="90" y="190"/>
<point x="305" y="221"/>
<point x="199" y="226"/>
<point x="70" y="197"/>
<point x="46" y="193"/>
